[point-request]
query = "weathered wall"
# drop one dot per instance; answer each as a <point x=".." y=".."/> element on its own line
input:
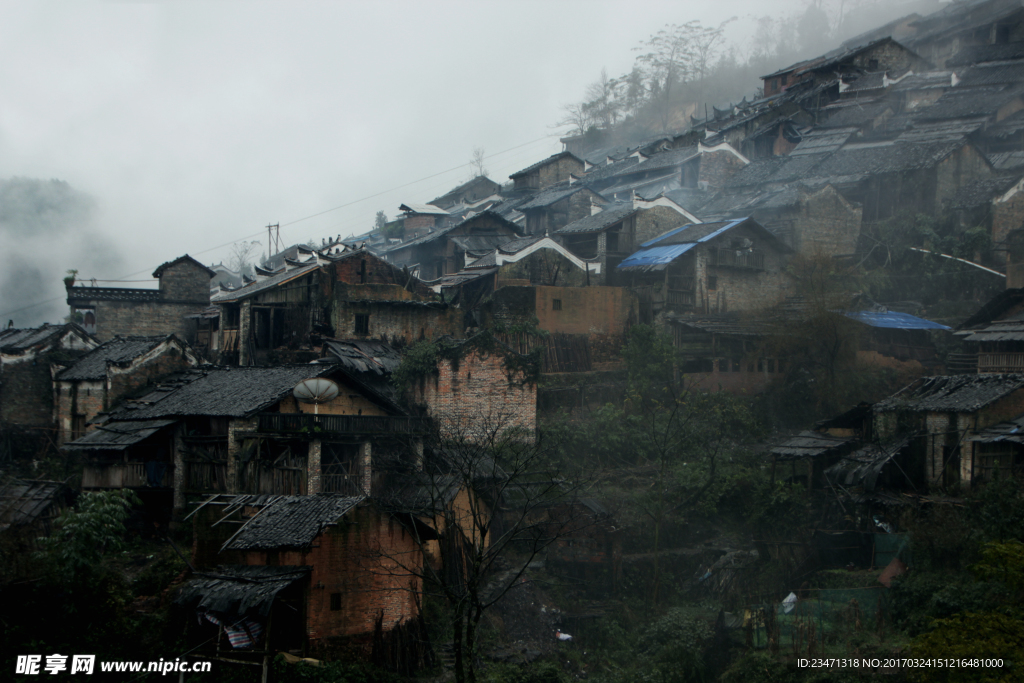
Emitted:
<point x="26" y="393"/>
<point x="825" y="223"/>
<point x="398" y="322"/>
<point x="655" y="221"/>
<point x="84" y="399"/>
<point x="1007" y="216"/>
<point x="475" y="397"/>
<point x="559" y="171"/>
<point x="717" y="167"/>
<point x="144" y="319"/>
<point x="185" y="282"/>
<point x="543" y="267"/>
<point x="585" y="310"/>
<point x="961" y="167"/>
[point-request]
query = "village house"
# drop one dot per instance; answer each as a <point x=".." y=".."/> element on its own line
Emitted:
<point x="884" y="54"/>
<point x="610" y="235"/>
<point x="469" y="193"/>
<point x="448" y="250"/>
<point x="710" y="267"/>
<point x="108" y="312"/>
<point x="558" y="205"/>
<point x="541" y="175"/>
<point x="28" y="509"/>
<point x="26" y="383"/>
<point x="352" y="294"/>
<point x="241" y="430"/>
<point x="994" y="336"/>
<point x="944" y="415"/>
<point x="996" y="204"/>
<point x="322" y="576"/>
<point x="96" y="381"/>
<point x="960" y="28"/>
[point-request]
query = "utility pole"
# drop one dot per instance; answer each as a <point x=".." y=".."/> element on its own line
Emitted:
<point x="273" y="239"/>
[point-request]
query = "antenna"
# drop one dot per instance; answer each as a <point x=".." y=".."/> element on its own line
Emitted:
<point x="273" y="239"/>
<point x="315" y="390"/>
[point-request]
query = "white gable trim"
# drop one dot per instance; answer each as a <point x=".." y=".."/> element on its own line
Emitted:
<point x="722" y="147"/>
<point x="662" y="200"/>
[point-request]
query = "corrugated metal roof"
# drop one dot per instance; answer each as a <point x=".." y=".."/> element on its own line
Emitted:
<point x="117" y="436"/>
<point x="263" y="285"/>
<point x="655" y="256"/>
<point x="893" y="320"/>
<point x="292" y="521"/>
<point x="1011" y="430"/>
<point x="863" y="467"/>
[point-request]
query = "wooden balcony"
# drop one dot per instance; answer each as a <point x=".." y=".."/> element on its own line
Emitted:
<point x="126" y="475"/>
<point x="1000" y="362"/>
<point x="313" y="425"/>
<point x="679" y="298"/>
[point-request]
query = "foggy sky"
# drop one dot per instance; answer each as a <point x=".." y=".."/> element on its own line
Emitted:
<point x="186" y="125"/>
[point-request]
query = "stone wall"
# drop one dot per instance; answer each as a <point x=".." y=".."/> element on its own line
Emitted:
<point x="958" y="169"/>
<point x="717" y="167"/>
<point x="1007" y="216"/>
<point x="824" y="223"/>
<point x="26" y="393"/>
<point x="558" y="171"/>
<point x="544" y="267"/>
<point x="655" y="221"/>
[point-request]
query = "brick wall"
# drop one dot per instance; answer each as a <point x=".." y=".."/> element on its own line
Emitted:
<point x="580" y="207"/>
<point x="961" y="167"/>
<point x="825" y="223"/>
<point x="397" y="323"/>
<point x="84" y="399"/>
<point x="1007" y="216"/>
<point x="475" y="397"/>
<point x="417" y="223"/>
<point x="544" y="267"/>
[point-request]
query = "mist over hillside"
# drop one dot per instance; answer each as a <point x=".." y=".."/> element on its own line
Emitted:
<point x="46" y="228"/>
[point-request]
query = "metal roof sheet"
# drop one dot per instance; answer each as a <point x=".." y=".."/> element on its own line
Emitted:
<point x="808" y="445"/>
<point x="952" y="394"/>
<point x="423" y="208"/>
<point x="262" y="285"/>
<point x="655" y="256"/>
<point x="23" y="502"/>
<point x="239" y="590"/>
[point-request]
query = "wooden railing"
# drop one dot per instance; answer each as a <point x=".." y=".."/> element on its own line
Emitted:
<point x="229" y="340"/>
<point x="679" y="298"/>
<point x="124" y="475"/>
<point x="1000" y="362"/>
<point x="302" y="423"/>
<point x="733" y="259"/>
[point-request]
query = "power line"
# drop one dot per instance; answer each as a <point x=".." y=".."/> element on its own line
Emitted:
<point x="124" y="278"/>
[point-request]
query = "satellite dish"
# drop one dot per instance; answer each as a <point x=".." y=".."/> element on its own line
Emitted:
<point x="316" y="390"/>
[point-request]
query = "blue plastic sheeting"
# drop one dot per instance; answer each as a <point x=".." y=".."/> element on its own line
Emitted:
<point x="894" y="320"/>
<point x="656" y="255"/>
<point x="707" y="237"/>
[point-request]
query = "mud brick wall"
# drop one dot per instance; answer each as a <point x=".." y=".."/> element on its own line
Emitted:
<point x="826" y="224"/>
<point x="408" y="323"/>
<point x="585" y="310"/>
<point x="84" y="398"/>
<point x="474" y="397"/>
<point x="185" y="282"/>
<point x="162" y="361"/>
<point x="961" y="167"/>
<point x="26" y="393"/>
<point x="147" y="319"/>
<point x="655" y="221"/>
<point x="579" y="207"/>
<point x="417" y="224"/>
<point x="378" y="272"/>
<point x="717" y="167"/>
<point x="559" y="171"/>
<point x="544" y="267"/>
<point x="1006" y="217"/>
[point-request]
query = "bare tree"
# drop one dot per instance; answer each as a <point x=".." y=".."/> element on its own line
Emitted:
<point x="242" y="256"/>
<point x="476" y="162"/>
<point x="480" y="510"/>
<point x="380" y="221"/>
<point x="578" y="116"/>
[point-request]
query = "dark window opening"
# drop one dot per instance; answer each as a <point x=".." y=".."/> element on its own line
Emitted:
<point x="723" y="365"/>
<point x="771" y="365"/>
<point x="612" y="241"/>
<point x="362" y="272"/>
<point x="736" y="365"/>
<point x="335" y="602"/>
<point x="362" y="324"/>
<point x="1002" y="34"/>
<point x="872" y="65"/>
<point x="697" y="365"/>
<point x="556" y="304"/>
<point x="712" y="282"/>
<point x="785" y="79"/>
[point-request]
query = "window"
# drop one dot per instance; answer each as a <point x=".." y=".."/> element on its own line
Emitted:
<point x="785" y="79"/>
<point x="712" y="282"/>
<point x="612" y="241"/>
<point x="556" y="304"/>
<point x="362" y="324"/>
<point x="335" y="602"/>
<point x="723" y="365"/>
<point x="872" y="65"/>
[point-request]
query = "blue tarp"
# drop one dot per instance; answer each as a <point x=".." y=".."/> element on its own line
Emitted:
<point x="894" y="320"/>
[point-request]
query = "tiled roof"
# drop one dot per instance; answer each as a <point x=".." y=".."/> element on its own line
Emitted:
<point x="117" y="351"/>
<point x="809" y="445"/>
<point x="980" y="192"/>
<point x="952" y="394"/>
<point x="238" y="590"/>
<point x="1006" y="161"/>
<point x="551" y="195"/>
<point x="829" y="59"/>
<point x="220" y="392"/>
<point x="263" y="285"/>
<point x="941" y="131"/>
<point x="544" y="162"/>
<point x="15" y="340"/>
<point x="992" y="73"/>
<point x="961" y="102"/>
<point x="423" y="208"/>
<point x="602" y="220"/>
<point x="117" y="436"/>
<point x="292" y="521"/>
<point x="181" y="259"/>
<point x="978" y="54"/>
<point x="23" y="502"/>
<point x="823" y="140"/>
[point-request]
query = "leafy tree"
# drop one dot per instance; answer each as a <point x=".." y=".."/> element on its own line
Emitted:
<point x="380" y="221"/>
<point x="87" y="532"/>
